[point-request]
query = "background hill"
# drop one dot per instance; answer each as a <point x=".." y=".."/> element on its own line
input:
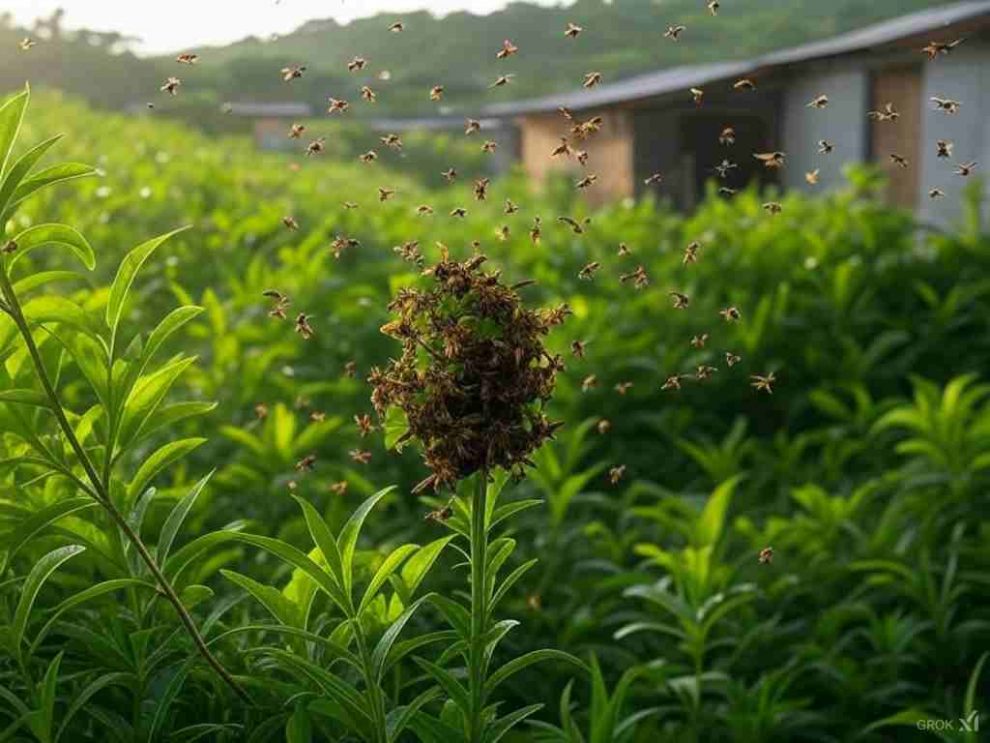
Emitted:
<point x="621" y="38"/>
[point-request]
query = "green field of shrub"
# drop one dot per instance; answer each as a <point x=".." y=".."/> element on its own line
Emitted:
<point x="635" y="610"/>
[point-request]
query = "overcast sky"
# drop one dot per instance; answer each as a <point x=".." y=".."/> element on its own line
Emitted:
<point x="174" y="25"/>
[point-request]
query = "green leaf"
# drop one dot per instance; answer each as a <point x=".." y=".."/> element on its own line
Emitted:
<point x="175" y="518"/>
<point x="87" y="693"/>
<point x="100" y="589"/>
<point x="158" y="461"/>
<point x="323" y="538"/>
<point x="389" y="565"/>
<point x="523" y="661"/>
<point x="506" y="723"/>
<point x="381" y="651"/>
<point x="511" y="579"/>
<point x="59" y="235"/>
<point x="164" y="702"/>
<point x="298" y="559"/>
<point x="399" y="718"/>
<point x="21" y="168"/>
<point x="285" y="611"/>
<point x="457" y="693"/>
<point x="417" y="566"/>
<point x="35" y="280"/>
<point x="39" y="520"/>
<point x="40" y="573"/>
<point x="712" y="519"/>
<point x="48" y="177"/>
<point x="42" y="720"/>
<point x="299" y="726"/>
<point x="395" y="426"/>
<point x="128" y="270"/>
<point x="11" y="116"/>
<point x="347" y="542"/>
<point x="32" y="398"/>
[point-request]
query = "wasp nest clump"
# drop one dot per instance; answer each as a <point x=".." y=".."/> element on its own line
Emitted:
<point x="474" y="375"/>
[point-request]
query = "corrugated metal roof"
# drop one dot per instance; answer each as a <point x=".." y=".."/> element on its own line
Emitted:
<point x="286" y="109"/>
<point x="681" y="78"/>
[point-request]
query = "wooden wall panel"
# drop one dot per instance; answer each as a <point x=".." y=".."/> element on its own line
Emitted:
<point x="900" y="86"/>
<point x="610" y="152"/>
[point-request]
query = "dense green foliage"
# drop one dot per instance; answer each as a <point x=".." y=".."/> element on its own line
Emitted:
<point x="866" y="470"/>
<point x="621" y="37"/>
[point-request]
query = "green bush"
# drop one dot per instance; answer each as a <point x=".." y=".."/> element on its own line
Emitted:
<point x="866" y="470"/>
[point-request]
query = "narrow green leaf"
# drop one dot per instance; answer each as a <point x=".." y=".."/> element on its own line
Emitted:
<point x="20" y="169"/>
<point x="524" y="661"/>
<point x="87" y="692"/>
<point x="389" y="565"/>
<point x="457" y="693"/>
<point x="128" y="270"/>
<point x="506" y="723"/>
<point x="40" y="573"/>
<point x="284" y="610"/>
<point x="175" y="518"/>
<point x="59" y="235"/>
<point x="381" y="651"/>
<point x="158" y="461"/>
<point x="323" y="538"/>
<point x="398" y="719"/>
<point x="48" y="177"/>
<point x="11" y="116"/>
<point x="347" y="542"/>
<point x="39" y="520"/>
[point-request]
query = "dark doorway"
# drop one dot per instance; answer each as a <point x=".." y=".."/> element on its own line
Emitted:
<point x="700" y="134"/>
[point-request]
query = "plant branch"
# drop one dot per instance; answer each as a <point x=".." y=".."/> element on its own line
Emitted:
<point x="479" y="607"/>
<point x="100" y="492"/>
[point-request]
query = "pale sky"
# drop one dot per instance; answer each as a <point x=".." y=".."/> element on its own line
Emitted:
<point x="175" y="25"/>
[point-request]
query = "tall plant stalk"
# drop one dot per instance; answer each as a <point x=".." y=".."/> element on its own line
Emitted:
<point x="479" y="606"/>
<point x="99" y="487"/>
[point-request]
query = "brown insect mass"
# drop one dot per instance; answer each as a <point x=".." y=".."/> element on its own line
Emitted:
<point x="474" y="374"/>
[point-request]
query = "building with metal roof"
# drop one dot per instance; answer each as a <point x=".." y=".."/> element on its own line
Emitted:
<point x="651" y="123"/>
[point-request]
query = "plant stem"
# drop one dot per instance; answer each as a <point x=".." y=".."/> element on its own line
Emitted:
<point x="377" y="702"/>
<point x="100" y="491"/>
<point x="479" y="606"/>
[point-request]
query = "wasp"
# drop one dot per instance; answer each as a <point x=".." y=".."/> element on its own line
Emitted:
<point x="280" y="300"/>
<point x="943" y="148"/>
<point x="356" y="64"/>
<point x="449" y="175"/>
<point x="819" y="102"/>
<point x="424" y="210"/>
<point x="589" y="382"/>
<point x="458" y="211"/>
<point x="727" y="137"/>
<point x="578" y="349"/>
<point x="290" y="222"/>
<point x="318" y="416"/>
<point x="392" y="140"/>
<point x="296" y="130"/>
<point x="292" y="72"/>
<point x="481" y="188"/>
<point x="591" y="79"/>
<point x="639" y="278"/>
<point x="187" y="58"/>
<point x="368" y="94"/>
<point x="436" y="93"/>
<point x="471" y="126"/>
<point x="535" y="232"/>
<point x="765" y="556"/>
<point x="368" y="157"/>
<point x="489" y="146"/>
<point x="763" y="383"/>
<point x="934" y="48"/>
<point x="704" y="372"/>
<point x="744" y="84"/>
<point x="936" y="193"/>
<point x="572" y="30"/>
<point x="713" y="6"/>
<point x="724" y="168"/>
<point x="338" y="488"/>
<point x="811" y="177"/>
<point x="965" y="169"/>
<point x="730" y="314"/>
<point x="653" y="179"/>
<point x="338" y="105"/>
<point x="699" y="341"/>
<point x="672" y="382"/>
<point x="946" y="105"/>
<point x="604" y="426"/>
<point x="674" y="32"/>
<point x="261" y="411"/>
<point x="316" y="146"/>
<point x="898" y="160"/>
<point x="306" y="464"/>
<point x="510" y="207"/>
<point x="616" y="473"/>
<point x="731" y="359"/>
<point x="507" y="50"/>
<point x="691" y="252"/>
<point x="384" y="193"/>
<point x="562" y="149"/>
<point x="771" y="160"/>
<point x="586" y="181"/>
<point x="825" y="147"/>
<point x="171" y="85"/>
<point x="26" y="43"/>
<point x="680" y="301"/>
<point x="773" y="207"/>
<point x="623" y="387"/>
<point x="588" y="271"/>
<point x="397" y="27"/>
<point x="360" y="456"/>
<point x="364" y="424"/>
<point x="303" y="327"/>
<point x="502" y="80"/>
<point x="887" y="113"/>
